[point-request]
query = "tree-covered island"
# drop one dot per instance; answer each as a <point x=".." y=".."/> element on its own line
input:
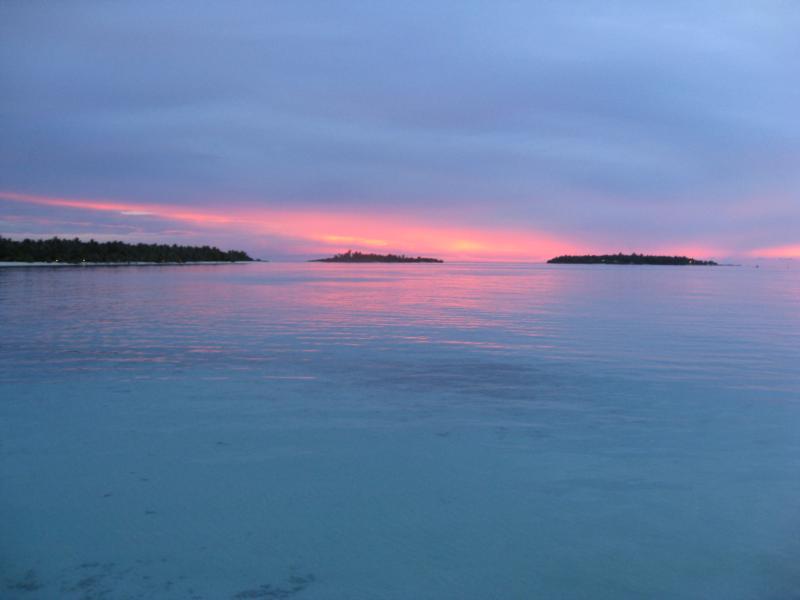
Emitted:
<point x="628" y="259"/>
<point x="361" y="257"/>
<point x="59" y="250"/>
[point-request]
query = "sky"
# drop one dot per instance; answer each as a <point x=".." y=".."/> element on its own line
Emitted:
<point x="488" y="130"/>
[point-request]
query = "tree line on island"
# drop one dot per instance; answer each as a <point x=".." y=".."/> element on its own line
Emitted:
<point x="361" y="257"/>
<point x="76" y="251"/>
<point x="628" y="259"/>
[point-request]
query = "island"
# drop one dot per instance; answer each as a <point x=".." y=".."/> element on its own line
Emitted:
<point x="59" y="250"/>
<point x="628" y="259"/>
<point x="361" y="257"/>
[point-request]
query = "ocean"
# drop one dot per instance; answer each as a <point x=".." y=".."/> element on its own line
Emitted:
<point x="407" y="431"/>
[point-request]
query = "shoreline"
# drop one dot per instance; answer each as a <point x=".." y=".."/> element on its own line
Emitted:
<point x="12" y="264"/>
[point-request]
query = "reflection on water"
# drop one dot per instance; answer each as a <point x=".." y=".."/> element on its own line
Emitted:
<point x="675" y="322"/>
<point x="396" y="431"/>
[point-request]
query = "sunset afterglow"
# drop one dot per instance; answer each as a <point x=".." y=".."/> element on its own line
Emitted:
<point x="307" y="232"/>
<point x="294" y="132"/>
<point x="399" y="300"/>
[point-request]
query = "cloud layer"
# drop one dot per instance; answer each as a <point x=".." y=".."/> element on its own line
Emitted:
<point x="593" y="125"/>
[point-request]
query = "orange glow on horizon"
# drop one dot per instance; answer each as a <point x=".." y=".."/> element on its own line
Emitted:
<point x="307" y="232"/>
<point x="314" y="231"/>
<point x="689" y="250"/>
<point x="788" y="251"/>
<point x="346" y="239"/>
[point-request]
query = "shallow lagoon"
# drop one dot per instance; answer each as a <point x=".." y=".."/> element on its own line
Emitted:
<point x="454" y="431"/>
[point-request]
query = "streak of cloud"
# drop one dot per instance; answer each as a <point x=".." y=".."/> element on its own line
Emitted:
<point x="611" y="125"/>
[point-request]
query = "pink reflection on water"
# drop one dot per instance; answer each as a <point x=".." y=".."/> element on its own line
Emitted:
<point x="353" y="305"/>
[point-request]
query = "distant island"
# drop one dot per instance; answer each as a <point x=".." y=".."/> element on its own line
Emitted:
<point x="58" y="250"/>
<point x="628" y="259"/>
<point x="360" y="257"/>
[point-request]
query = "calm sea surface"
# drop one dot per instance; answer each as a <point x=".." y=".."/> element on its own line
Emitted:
<point x="456" y="431"/>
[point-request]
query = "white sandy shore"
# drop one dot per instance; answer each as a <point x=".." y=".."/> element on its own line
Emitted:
<point x="120" y="264"/>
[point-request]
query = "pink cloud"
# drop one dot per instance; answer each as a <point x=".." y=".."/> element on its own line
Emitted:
<point x="787" y="251"/>
<point x="316" y="231"/>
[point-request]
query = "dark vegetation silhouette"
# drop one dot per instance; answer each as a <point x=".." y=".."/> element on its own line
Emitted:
<point x="76" y="251"/>
<point x="360" y="257"/>
<point x="628" y="259"/>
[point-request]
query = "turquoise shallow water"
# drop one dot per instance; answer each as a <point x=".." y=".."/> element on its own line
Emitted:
<point x="313" y="431"/>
